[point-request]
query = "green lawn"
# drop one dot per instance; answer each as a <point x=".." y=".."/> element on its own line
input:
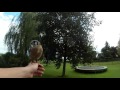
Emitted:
<point x="112" y="72"/>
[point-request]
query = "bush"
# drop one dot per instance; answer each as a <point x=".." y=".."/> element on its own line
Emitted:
<point x="2" y="62"/>
<point x="12" y="60"/>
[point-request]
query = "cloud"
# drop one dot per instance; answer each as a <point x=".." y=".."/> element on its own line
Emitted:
<point x="109" y="30"/>
<point x="5" y="21"/>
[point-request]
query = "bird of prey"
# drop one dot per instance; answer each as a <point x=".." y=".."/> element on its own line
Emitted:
<point x="36" y="50"/>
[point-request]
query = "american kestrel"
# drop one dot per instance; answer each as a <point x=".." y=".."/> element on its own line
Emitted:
<point x="36" y="50"/>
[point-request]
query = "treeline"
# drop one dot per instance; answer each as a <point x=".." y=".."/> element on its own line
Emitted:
<point x="109" y="53"/>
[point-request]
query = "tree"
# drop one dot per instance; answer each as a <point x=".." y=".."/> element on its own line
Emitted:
<point x="118" y="48"/>
<point x="67" y="33"/>
<point x="114" y="52"/>
<point x="20" y="35"/>
<point x="106" y="51"/>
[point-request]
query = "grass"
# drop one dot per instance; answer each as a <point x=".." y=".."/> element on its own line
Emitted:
<point x="112" y="72"/>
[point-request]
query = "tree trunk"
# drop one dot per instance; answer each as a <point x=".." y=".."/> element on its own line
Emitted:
<point x="64" y="67"/>
<point x="64" y="62"/>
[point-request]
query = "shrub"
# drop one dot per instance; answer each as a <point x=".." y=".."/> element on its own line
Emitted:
<point x="13" y="60"/>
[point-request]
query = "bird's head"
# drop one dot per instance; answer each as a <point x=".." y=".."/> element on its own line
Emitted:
<point x="34" y="43"/>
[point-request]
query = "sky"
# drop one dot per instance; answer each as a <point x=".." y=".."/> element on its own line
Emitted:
<point x="109" y="30"/>
<point x="5" y="20"/>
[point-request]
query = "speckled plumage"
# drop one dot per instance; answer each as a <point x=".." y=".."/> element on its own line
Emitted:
<point x="36" y="52"/>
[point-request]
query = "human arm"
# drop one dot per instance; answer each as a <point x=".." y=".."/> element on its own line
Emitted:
<point x="22" y="72"/>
